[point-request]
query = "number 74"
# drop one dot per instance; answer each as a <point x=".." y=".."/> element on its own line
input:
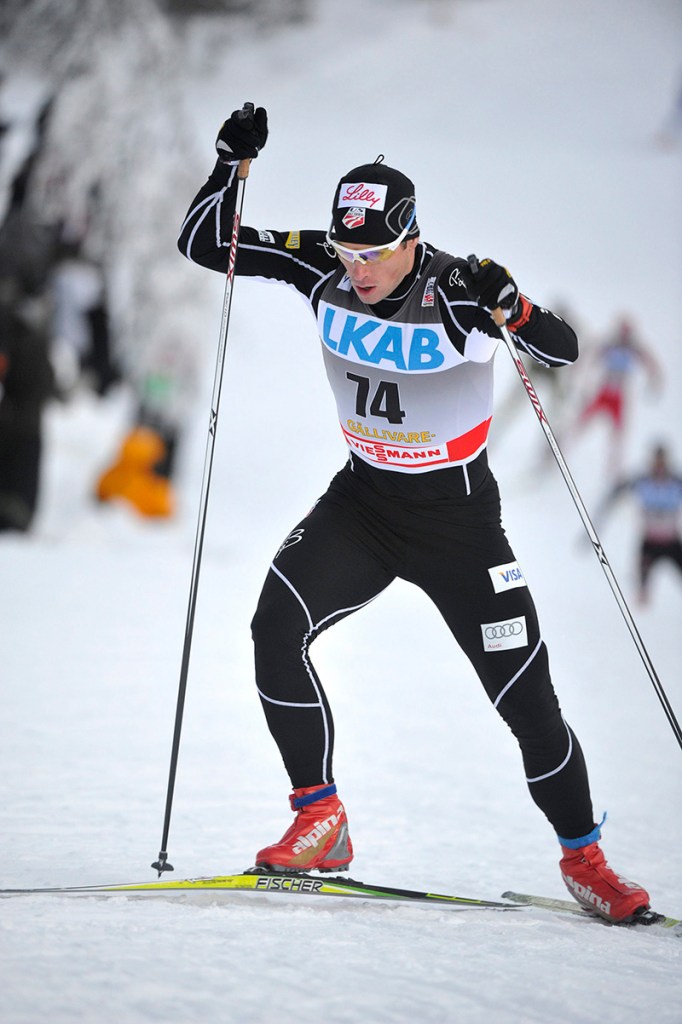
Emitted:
<point x="384" y="402"/>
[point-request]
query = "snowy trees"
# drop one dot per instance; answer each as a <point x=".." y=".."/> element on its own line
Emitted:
<point x="113" y="167"/>
<point x="114" y="144"/>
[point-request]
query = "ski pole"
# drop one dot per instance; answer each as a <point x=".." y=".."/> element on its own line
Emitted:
<point x="499" y="318"/>
<point x="242" y="174"/>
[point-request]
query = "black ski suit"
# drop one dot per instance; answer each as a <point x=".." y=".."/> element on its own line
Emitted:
<point x="412" y="377"/>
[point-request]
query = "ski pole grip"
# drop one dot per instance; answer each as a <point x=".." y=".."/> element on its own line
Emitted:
<point x="497" y="314"/>
<point x="245" y="114"/>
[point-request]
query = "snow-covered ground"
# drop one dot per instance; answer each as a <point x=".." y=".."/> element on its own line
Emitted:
<point x="529" y="127"/>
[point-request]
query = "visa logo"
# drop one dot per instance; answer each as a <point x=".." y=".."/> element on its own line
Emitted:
<point x="506" y="577"/>
<point x="363" y="339"/>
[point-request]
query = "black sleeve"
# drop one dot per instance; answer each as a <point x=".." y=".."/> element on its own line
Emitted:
<point x="540" y="333"/>
<point x="301" y="259"/>
<point x="545" y="336"/>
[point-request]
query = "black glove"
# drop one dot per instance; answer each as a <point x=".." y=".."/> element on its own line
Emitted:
<point x="491" y="285"/>
<point x="243" y="135"/>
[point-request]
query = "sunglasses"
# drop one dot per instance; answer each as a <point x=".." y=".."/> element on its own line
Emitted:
<point x="377" y="254"/>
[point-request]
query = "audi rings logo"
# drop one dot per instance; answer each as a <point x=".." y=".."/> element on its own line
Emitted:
<point x="504" y="635"/>
<point x="502" y="629"/>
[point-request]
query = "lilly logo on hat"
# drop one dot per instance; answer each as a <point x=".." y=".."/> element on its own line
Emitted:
<point x="360" y="193"/>
<point x="354" y="218"/>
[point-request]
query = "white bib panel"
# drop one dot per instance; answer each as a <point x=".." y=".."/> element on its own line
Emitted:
<point x="407" y="400"/>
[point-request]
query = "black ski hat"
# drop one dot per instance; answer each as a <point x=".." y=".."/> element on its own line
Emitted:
<point x="372" y="205"/>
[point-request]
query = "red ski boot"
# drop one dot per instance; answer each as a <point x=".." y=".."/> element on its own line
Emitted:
<point x="318" y="837"/>
<point x="596" y="887"/>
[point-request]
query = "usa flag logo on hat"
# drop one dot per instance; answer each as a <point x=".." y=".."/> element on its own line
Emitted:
<point x="354" y="217"/>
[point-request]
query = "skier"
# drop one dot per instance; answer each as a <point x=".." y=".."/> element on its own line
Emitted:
<point x="408" y="344"/>
<point x="658" y="492"/>
<point x="618" y="358"/>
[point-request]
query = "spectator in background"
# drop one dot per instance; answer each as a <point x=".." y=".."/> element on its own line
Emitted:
<point x="26" y="385"/>
<point x="658" y="492"/>
<point x="81" y="337"/>
<point x="26" y="375"/>
<point x="142" y="471"/>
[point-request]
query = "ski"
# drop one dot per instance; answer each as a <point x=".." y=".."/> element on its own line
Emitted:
<point x="647" y="919"/>
<point x="294" y="884"/>
<point x="271" y="883"/>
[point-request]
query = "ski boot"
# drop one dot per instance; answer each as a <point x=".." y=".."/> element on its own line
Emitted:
<point x="318" y="837"/>
<point x="595" y="886"/>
